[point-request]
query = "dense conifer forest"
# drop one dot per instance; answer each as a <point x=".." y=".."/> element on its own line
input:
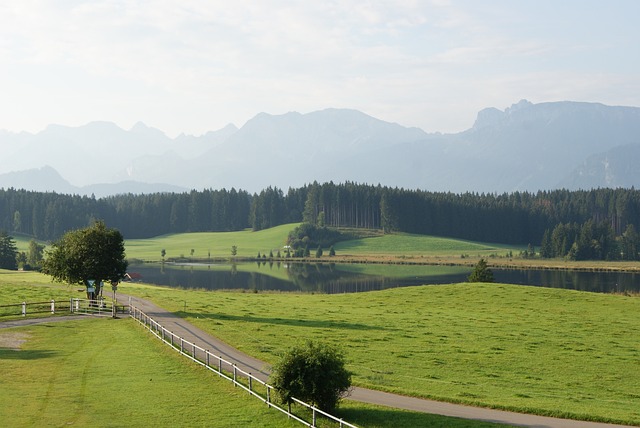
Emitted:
<point x="599" y="223"/>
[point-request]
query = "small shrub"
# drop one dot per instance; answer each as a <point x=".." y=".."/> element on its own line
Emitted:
<point x="314" y="373"/>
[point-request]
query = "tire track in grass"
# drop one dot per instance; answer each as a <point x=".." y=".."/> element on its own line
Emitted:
<point x="84" y="395"/>
<point x="53" y="374"/>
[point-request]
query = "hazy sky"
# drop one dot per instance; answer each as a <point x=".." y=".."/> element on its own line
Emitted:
<point x="192" y="66"/>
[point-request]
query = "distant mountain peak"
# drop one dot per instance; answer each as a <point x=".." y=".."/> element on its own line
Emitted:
<point x="525" y="146"/>
<point x="520" y="105"/>
<point x="139" y="126"/>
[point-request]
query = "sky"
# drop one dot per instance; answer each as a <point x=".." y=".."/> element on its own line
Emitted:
<point x="191" y="66"/>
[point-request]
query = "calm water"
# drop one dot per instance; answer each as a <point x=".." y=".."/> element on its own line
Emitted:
<point x="337" y="278"/>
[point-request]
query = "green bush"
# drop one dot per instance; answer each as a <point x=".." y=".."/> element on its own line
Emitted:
<point x="314" y="373"/>
<point x="481" y="273"/>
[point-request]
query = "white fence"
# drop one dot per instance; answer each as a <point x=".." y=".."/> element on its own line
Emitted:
<point x="74" y="306"/>
<point x="228" y="370"/>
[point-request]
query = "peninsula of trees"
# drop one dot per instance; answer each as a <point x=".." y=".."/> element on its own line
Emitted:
<point x="599" y="223"/>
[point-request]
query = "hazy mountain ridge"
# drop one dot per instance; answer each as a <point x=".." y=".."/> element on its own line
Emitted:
<point x="524" y="147"/>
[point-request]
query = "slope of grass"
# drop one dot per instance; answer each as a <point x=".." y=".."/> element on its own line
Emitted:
<point x="249" y="244"/>
<point x="104" y="372"/>
<point x="215" y="244"/>
<point x="99" y="372"/>
<point x="16" y="287"/>
<point x="546" y="351"/>
<point x="409" y="244"/>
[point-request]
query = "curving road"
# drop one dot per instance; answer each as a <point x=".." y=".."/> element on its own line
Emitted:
<point x="260" y="370"/>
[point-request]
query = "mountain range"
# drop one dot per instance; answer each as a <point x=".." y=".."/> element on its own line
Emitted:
<point x="527" y="146"/>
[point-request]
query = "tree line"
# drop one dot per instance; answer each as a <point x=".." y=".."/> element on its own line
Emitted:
<point x="519" y="218"/>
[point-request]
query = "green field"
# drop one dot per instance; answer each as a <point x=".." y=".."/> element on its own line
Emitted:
<point x="249" y="244"/>
<point x="99" y="372"/>
<point x="216" y="244"/>
<point x="107" y="373"/>
<point x="546" y="351"/>
<point x="409" y="244"/>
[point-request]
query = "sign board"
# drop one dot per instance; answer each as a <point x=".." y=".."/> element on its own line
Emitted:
<point x="91" y="289"/>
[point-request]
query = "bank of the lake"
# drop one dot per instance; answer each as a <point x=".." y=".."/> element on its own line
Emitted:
<point x="538" y="350"/>
<point x="326" y="277"/>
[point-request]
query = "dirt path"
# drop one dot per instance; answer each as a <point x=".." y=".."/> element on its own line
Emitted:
<point x="260" y="370"/>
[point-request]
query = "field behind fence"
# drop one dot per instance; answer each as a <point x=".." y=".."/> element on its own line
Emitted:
<point x="228" y="370"/>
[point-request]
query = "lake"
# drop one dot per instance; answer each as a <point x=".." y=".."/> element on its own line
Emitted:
<point x="353" y="278"/>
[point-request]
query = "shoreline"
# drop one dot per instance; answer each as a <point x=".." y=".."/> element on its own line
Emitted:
<point x="435" y="260"/>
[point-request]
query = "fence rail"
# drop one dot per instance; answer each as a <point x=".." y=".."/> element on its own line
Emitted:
<point x="73" y="306"/>
<point x="228" y="370"/>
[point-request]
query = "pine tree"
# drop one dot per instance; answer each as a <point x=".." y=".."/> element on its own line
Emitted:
<point x="481" y="273"/>
<point x="8" y="252"/>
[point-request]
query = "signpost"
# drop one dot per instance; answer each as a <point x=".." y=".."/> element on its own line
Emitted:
<point x="91" y="290"/>
<point x="114" y="287"/>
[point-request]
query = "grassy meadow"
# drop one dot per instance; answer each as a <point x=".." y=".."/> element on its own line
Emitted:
<point x="108" y="373"/>
<point x="546" y="351"/>
<point x="249" y="244"/>
<point x="215" y="244"/>
<point x="398" y="244"/>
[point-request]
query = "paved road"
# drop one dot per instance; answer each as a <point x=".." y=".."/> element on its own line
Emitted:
<point x="33" y="321"/>
<point x="260" y="370"/>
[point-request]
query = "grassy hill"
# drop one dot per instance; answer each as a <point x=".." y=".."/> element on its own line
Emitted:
<point x="530" y="349"/>
<point x="215" y="244"/>
<point x="80" y="373"/>
<point x="249" y="244"/>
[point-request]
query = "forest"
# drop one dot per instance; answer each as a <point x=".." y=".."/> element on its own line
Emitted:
<point x="595" y="220"/>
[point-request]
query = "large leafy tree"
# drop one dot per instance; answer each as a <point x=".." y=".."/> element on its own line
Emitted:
<point x="95" y="253"/>
<point x="8" y="252"/>
<point x="314" y="373"/>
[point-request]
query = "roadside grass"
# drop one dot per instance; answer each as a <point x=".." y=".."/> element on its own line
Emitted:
<point x="537" y="350"/>
<point x="108" y="373"/>
<point x="104" y="372"/>
<point x="216" y="244"/>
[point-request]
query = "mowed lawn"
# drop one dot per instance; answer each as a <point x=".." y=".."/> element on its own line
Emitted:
<point x="546" y="351"/>
<point x="109" y="373"/>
